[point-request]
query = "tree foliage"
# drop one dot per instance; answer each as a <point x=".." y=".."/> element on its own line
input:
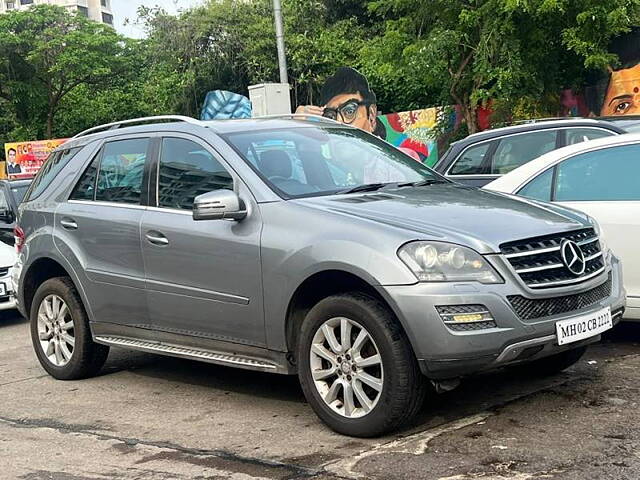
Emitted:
<point x="60" y="73"/>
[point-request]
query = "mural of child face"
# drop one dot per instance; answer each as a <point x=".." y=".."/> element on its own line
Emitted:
<point x="350" y="108"/>
<point x="623" y="93"/>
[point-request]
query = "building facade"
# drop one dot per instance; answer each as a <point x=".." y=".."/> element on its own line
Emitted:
<point x="97" y="10"/>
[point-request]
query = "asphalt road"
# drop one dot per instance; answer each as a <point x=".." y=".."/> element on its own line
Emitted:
<point x="151" y="417"/>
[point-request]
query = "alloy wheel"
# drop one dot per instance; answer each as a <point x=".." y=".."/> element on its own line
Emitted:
<point x="346" y="367"/>
<point x="56" y="330"/>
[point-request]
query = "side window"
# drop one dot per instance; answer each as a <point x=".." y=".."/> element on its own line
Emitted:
<point x="517" y="150"/>
<point x="472" y="161"/>
<point x="187" y="170"/>
<point x="4" y="205"/>
<point x="121" y="171"/>
<point x="85" y="188"/>
<point x="605" y="174"/>
<point x="53" y="165"/>
<point x="540" y="187"/>
<point x="577" y="135"/>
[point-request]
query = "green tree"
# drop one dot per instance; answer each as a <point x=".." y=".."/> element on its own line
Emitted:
<point x="51" y="52"/>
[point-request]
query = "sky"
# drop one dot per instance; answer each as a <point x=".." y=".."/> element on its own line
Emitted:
<point x="123" y="9"/>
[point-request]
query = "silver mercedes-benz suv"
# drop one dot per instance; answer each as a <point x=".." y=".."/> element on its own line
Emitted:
<point x="301" y="246"/>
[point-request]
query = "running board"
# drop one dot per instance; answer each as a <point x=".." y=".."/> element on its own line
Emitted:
<point x="189" y="353"/>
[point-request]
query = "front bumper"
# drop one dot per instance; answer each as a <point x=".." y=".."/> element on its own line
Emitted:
<point x="8" y="299"/>
<point x="445" y="353"/>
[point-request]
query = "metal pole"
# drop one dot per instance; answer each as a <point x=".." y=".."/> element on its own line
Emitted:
<point x="282" y="59"/>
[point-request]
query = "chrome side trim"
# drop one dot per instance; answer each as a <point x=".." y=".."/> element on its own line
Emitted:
<point x="188" y="352"/>
<point x="109" y="204"/>
<point x="568" y="282"/>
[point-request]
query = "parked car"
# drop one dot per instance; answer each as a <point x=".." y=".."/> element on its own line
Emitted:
<point x="482" y="157"/>
<point x="7" y="260"/>
<point x="238" y="243"/>
<point x="601" y="178"/>
<point x="630" y="123"/>
<point x="11" y="194"/>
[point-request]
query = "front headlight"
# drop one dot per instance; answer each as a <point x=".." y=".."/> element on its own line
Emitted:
<point x="446" y="262"/>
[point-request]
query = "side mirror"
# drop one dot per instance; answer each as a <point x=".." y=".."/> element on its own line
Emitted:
<point x="6" y="216"/>
<point x="219" y="205"/>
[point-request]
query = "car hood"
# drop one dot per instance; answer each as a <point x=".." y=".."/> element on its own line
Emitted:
<point x="454" y="213"/>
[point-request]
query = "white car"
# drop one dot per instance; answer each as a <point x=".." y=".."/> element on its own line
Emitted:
<point x="7" y="259"/>
<point x="601" y="178"/>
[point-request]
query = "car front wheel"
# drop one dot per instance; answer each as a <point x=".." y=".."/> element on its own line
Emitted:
<point x="356" y="366"/>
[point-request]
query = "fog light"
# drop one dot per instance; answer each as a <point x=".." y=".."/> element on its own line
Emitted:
<point x="466" y="317"/>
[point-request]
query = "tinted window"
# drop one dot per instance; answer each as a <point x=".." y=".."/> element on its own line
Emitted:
<point x="121" y="171"/>
<point x="472" y="161"/>
<point x="187" y="170"/>
<point x="310" y="161"/>
<point x="19" y="192"/>
<point x="577" y="135"/>
<point x="85" y="188"/>
<point x="517" y="150"/>
<point x="540" y="187"/>
<point x="52" y="166"/>
<point x="605" y="174"/>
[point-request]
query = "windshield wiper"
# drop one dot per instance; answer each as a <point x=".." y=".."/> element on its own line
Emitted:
<point x="422" y="183"/>
<point x="367" y="187"/>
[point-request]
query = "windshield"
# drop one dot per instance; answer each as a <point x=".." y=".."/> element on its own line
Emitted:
<point x="311" y="161"/>
<point x="19" y="191"/>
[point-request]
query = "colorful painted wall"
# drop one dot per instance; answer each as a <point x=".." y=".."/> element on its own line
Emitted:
<point x="412" y="132"/>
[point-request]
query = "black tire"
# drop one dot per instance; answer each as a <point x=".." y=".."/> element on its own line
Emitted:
<point x="554" y="364"/>
<point x="87" y="357"/>
<point x="404" y="387"/>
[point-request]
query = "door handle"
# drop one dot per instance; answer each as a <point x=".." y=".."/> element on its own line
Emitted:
<point x="69" y="224"/>
<point x="157" y="238"/>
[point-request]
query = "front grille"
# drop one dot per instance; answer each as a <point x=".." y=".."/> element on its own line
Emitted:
<point x="538" y="261"/>
<point x="4" y="271"/>
<point x="529" y="309"/>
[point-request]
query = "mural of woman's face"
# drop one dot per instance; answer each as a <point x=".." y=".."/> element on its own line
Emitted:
<point x="623" y="93"/>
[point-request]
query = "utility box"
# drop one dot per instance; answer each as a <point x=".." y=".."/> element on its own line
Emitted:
<point x="269" y="99"/>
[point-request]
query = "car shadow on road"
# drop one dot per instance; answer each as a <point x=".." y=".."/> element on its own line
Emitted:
<point x="478" y="393"/>
<point x="9" y="318"/>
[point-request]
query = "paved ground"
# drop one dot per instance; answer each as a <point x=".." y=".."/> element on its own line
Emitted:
<point x="150" y="417"/>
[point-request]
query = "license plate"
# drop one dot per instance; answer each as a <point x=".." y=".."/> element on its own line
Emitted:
<point x="3" y="289"/>
<point x="585" y="326"/>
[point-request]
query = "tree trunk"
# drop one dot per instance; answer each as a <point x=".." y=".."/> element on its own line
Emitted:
<point x="469" y="115"/>
<point x="50" y="123"/>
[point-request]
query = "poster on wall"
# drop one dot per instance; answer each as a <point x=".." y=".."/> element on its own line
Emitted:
<point x="24" y="159"/>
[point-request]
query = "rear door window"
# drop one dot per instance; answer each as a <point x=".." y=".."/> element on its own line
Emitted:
<point x="608" y="174"/>
<point x="516" y="150"/>
<point x="121" y="171"/>
<point x="578" y="135"/>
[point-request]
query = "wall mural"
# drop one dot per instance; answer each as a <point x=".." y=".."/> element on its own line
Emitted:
<point x="412" y="133"/>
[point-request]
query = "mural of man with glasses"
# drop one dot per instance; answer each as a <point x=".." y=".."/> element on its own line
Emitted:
<point x="347" y="98"/>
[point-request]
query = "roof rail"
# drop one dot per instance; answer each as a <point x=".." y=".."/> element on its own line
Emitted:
<point x="300" y="116"/>
<point x="115" y="125"/>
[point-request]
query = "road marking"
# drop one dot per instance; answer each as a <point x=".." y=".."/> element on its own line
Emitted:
<point x="415" y="444"/>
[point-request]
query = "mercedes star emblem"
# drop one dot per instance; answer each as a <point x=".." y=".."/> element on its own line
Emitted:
<point x="573" y="257"/>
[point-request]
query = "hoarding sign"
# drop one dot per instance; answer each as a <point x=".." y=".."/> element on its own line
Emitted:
<point x="24" y="159"/>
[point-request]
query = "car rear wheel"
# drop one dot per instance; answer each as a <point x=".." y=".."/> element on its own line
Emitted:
<point x="60" y="332"/>
<point x="356" y="367"/>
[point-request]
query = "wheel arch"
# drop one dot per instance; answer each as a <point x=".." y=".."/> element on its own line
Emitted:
<point x="321" y="285"/>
